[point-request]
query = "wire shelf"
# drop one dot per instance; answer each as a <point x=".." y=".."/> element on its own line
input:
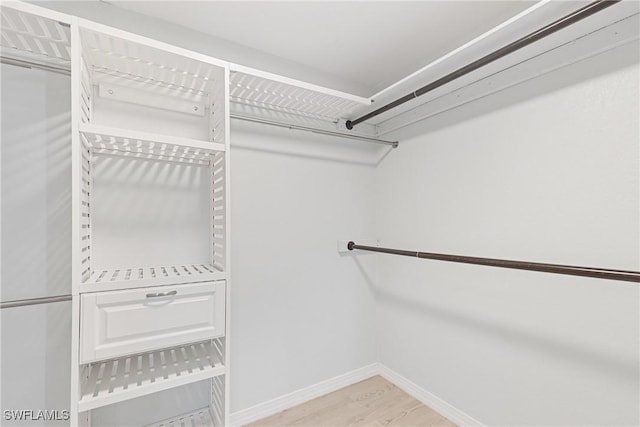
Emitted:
<point x="116" y="380"/>
<point x="143" y="145"/>
<point x="34" y="38"/>
<point x="116" y="278"/>
<point x="262" y="91"/>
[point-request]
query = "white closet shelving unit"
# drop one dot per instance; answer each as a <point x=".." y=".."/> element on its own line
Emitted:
<point x="150" y="205"/>
<point x="149" y="145"/>
<point x="150" y="125"/>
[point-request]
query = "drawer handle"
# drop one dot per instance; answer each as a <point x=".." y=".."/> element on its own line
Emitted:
<point x="162" y="294"/>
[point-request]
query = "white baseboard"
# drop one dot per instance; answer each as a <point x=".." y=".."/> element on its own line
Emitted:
<point x="287" y="401"/>
<point x="290" y="400"/>
<point x="431" y="400"/>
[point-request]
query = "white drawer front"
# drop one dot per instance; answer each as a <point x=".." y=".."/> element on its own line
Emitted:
<point x="124" y="322"/>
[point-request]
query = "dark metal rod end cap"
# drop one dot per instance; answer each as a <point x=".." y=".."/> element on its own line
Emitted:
<point x="349" y="125"/>
<point x="350" y="245"/>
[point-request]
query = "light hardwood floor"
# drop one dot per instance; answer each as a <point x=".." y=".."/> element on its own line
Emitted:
<point x="373" y="402"/>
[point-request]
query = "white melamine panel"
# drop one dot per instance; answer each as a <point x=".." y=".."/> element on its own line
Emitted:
<point x="194" y="107"/>
<point x="125" y="322"/>
<point x="117" y="380"/>
<point x="152" y="112"/>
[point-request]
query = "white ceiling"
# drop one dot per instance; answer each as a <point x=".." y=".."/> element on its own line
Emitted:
<point x="369" y="42"/>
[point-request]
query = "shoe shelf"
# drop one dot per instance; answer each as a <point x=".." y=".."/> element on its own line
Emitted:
<point x="111" y="381"/>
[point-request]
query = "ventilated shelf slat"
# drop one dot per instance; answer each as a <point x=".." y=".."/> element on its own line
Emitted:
<point x="256" y="90"/>
<point x="116" y="380"/>
<point x="143" y="145"/>
<point x="34" y="38"/>
<point x="199" y="418"/>
<point x="148" y="63"/>
<point x="135" y="277"/>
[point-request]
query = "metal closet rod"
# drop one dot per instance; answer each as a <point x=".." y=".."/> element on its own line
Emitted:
<point x="34" y="301"/>
<point x="598" y="273"/>
<point x="41" y="300"/>
<point x="28" y="64"/>
<point x="545" y="31"/>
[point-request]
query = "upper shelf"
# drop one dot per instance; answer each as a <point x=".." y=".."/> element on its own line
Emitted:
<point x="110" y="53"/>
<point x="260" y="91"/>
<point x="119" y="57"/>
<point x="40" y="38"/>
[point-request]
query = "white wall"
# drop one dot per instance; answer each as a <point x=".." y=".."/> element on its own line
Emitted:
<point x="301" y="312"/>
<point x="547" y="171"/>
<point x="35" y="344"/>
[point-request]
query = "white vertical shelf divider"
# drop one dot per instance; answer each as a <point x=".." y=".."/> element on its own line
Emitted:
<point x="76" y="419"/>
<point x="215" y="389"/>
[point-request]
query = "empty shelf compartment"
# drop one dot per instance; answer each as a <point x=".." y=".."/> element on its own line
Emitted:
<point x="152" y="209"/>
<point x="116" y="380"/>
